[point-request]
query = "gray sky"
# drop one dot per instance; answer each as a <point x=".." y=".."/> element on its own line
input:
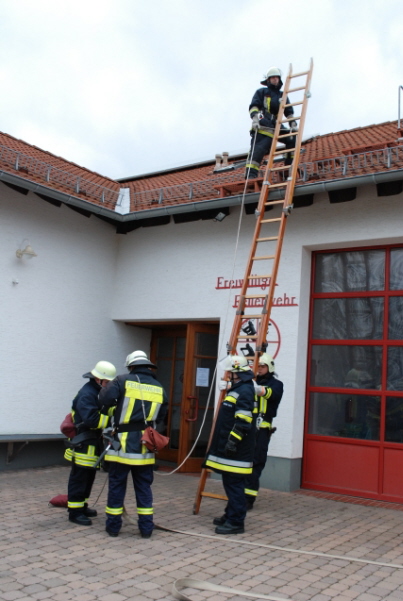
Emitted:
<point x="124" y="87"/>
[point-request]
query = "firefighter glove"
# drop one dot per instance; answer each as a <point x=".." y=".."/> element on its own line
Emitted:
<point x="255" y="121"/>
<point x="293" y="126"/>
<point x="224" y="385"/>
<point x="230" y="449"/>
<point x="259" y="390"/>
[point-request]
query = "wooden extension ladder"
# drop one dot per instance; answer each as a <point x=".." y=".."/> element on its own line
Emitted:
<point x="250" y="327"/>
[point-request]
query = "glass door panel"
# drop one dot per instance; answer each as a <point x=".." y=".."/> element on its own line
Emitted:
<point x="199" y="392"/>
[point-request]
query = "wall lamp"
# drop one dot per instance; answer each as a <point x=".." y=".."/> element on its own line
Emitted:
<point x="27" y="251"/>
<point x="220" y="217"/>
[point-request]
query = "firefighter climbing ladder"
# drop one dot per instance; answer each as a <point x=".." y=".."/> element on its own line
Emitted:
<point x="250" y="327"/>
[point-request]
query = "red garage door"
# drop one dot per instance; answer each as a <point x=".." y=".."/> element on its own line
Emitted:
<point x="354" y="420"/>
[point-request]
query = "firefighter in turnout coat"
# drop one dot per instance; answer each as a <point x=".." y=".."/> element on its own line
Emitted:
<point x="263" y="111"/>
<point x="231" y="450"/>
<point x="269" y="392"/>
<point x="140" y="401"/>
<point x="84" y="449"/>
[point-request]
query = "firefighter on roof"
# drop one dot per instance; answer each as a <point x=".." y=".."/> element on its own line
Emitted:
<point x="231" y="450"/>
<point x="269" y="391"/>
<point x="134" y="394"/>
<point x="263" y="111"/>
<point x="84" y="449"/>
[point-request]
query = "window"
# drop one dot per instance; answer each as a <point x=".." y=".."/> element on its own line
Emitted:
<point x="356" y="345"/>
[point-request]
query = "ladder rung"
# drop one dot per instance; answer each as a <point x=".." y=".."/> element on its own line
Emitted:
<point x="266" y="240"/>
<point x="273" y="202"/>
<point x="214" y="495"/>
<point x="292" y="133"/>
<point x="255" y="295"/>
<point x="270" y="220"/>
<point x="282" y="168"/>
<point x="294" y="103"/>
<point x="259" y="316"/>
<point x="291" y="119"/>
<point x="296" y="89"/>
<point x="299" y="74"/>
<point x="284" y="151"/>
<point x="263" y="257"/>
<point x="247" y="337"/>
<point x="260" y="277"/>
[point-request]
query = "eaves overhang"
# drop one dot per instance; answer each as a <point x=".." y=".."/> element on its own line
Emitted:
<point x="196" y="206"/>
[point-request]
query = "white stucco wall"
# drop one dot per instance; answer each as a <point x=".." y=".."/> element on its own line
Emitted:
<point x="68" y="309"/>
<point x="180" y="264"/>
<point x="55" y="323"/>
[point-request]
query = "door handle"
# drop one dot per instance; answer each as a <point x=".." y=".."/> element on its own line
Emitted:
<point x="196" y="409"/>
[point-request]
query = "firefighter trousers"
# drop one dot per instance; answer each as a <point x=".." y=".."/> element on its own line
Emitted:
<point x="262" y="147"/>
<point x="79" y="488"/>
<point x="252" y="482"/>
<point x="142" y="476"/>
<point x="234" y="486"/>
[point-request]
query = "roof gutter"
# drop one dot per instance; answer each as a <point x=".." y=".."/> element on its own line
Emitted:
<point x="61" y="196"/>
<point x="233" y="201"/>
<point x="202" y="205"/>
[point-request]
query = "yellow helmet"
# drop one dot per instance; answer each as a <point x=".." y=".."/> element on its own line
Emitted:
<point x="236" y="363"/>
<point x="138" y="358"/>
<point x="272" y="72"/>
<point x="266" y="359"/>
<point x="104" y="370"/>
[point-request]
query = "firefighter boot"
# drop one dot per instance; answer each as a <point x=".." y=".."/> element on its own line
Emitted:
<point x="249" y="503"/>
<point x="145" y="534"/>
<point x="90" y="513"/>
<point x="229" y="528"/>
<point x="80" y="519"/>
<point x="251" y="174"/>
<point x="220" y="521"/>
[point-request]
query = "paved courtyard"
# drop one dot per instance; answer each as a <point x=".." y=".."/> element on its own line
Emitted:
<point x="43" y="556"/>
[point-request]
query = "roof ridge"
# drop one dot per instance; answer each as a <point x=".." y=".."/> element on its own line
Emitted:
<point x="57" y="157"/>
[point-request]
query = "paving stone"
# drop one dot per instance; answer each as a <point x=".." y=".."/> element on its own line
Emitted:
<point x="69" y="563"/>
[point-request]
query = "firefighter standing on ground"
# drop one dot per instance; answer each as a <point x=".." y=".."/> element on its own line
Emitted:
<point x="133" y="394"/>
<point x="86" y="446"/>
<point x="231" y="450"/>
<point x="269" y="392"/>
<point x="263" y="111"/>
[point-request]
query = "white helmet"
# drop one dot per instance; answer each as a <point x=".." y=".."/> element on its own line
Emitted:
<point x="104" y="370"/>
<point x="236" y="363"/>
<point x="138" y="358"/>
<point x="266" y="359"/>
<point x="272" y="72"/>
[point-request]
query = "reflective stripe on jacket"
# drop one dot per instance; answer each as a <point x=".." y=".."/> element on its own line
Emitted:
<point x="87" y="418"/>
<point x="269" y="402"/>
<point x="130" y="395"/>
<point x="267" y="101"/>
<point x="236" y="422"/>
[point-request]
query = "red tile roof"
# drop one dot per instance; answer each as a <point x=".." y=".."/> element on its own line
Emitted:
<point x="178" y="186"/>
<point x="337" y="144"/>
<point x="323" y="157"/>
<point x="32" y="163"/>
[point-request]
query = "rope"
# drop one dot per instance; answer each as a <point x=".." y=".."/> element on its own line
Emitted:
<point x="224" y="323"/>
<point x="203" y="585"/>
<point x="208" y="586"/>
<point x="102" y="490"/>
<point x="238" y="542"/>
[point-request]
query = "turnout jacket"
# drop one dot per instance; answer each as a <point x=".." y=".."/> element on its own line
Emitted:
<point x="126" y="393"/>
<point x="269" y="402"/>
<point x="88" y="420"/>
<point x="267" y="102"/>
<point x="236" y="422"/>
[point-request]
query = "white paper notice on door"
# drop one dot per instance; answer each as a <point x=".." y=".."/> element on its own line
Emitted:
<point x="202" y="376"/>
